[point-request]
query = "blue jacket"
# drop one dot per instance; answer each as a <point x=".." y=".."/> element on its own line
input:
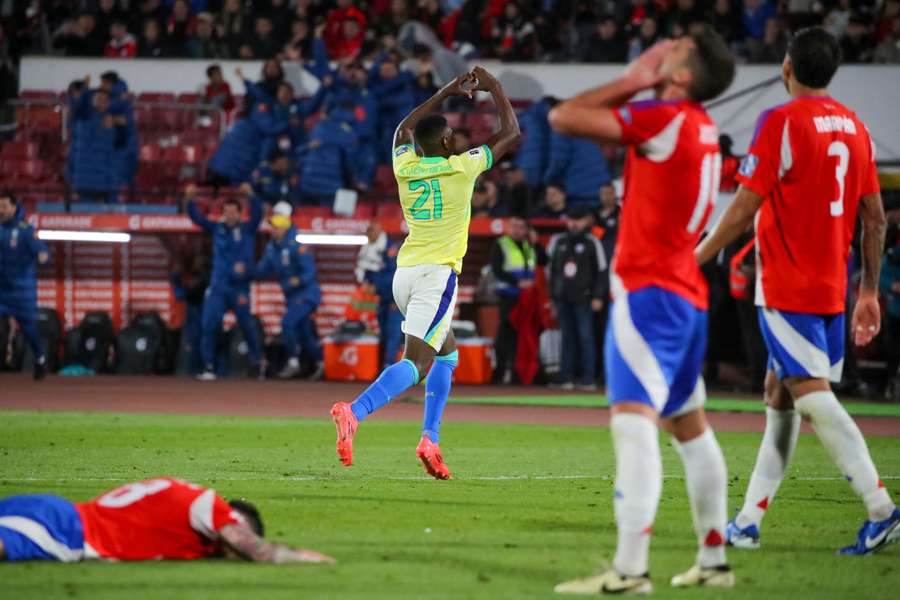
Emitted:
<point x="294" y="265"/>
<point x="383" y="280"/>
<point x="535" y="148"/>
<point x="93" y="155"/>
<point x="238" y="154"/>
<point x="231" y="245"/>
<point x="273" y="187"/>
<point x="127" y="144"/>
<point x="326" y="165"/>
<point x="290" y="121"/>
<point x="395" y="100"/>
<point x="890" y="274"/>
<point x="578" y="165"/>
<point x="365" y="106"/>
<point x="19" y="249"/>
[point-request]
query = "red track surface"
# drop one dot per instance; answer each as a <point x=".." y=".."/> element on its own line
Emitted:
<point x="301" y="399"/>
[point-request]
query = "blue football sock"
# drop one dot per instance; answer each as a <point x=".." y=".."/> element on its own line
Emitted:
<point x="437" y="388"/>
<point x="394" y="380"/>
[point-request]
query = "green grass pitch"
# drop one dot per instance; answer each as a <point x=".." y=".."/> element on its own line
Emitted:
<point x="530" y="506"/>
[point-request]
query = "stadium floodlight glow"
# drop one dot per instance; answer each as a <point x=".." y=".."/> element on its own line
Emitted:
<point x="60" y="235"/>
<point x="332" y="239"/>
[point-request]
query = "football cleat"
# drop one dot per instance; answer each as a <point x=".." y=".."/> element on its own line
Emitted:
<point x="697" y="576"/>
<point x="611" y="582"/>
<point x="40" y="369"/>
<point x="290" y="371"/>
<point x="746" y="538"/>
<point x="872" y="537"/>
<point x="430" y="455"/>
<point x="346" y="424"/>
<point x="206" y="376"/>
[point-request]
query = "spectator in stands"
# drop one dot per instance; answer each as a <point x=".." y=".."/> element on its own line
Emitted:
<point x="609" y="219"/>
<point x="888" y="51"/>
<point x="392" y="90"/>
<point x="266" y="89"/>
<point x="264" y="42"/>
<point x="577" y="165"/>
<point x="648" y="34"/>
<point x="289" y="118"/>
<point x="294" y="265"/>
<point x="190" y="288"/>
<point x="276" y="179"/>
<point x="515" y="197"/>
<point x="772" y="47"/>
<point x="513" y="35"/>
<point x="180" y="27"/>
<point x="345" y="29"/>
<point x="205" y="44"/>
<point x="577" y="276"/>
<point x="726" y="20"/>
<point x="80" y="37"/>
<point x="96" y="135"/>
<point x="605" y="44"/>
<point x="890" y="288"/>
<point x="152" y="43"/>
<point x="20" y="253"/>
<point x="632" y="13"/>
<point x="281" y="17"/>
<point x="514" y="258"/>
<point x="232" y="26"/>
<point x="685" y="13"/>
<point x="837" y="18"/>
<point x="350" y="89"/>
<point x="534" y="150"/>
<point x="121" y="44"/>
<point x="327" y="164"/>
<point x="554" y="205"/>
<point x="857" y="43"/>
<point x="233" y="263"/>
<point x="375" y="267"/>
<point x="149" y="9"/>
<point x="108" y="12"/>
<point x="755" y="15"/>
<point x="217" y="91"/>
<point x="299" y="46"/>
<point x="486" y="200"/>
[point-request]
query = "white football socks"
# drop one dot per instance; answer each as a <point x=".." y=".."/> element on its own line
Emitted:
<point x="638" y="488"/>
<point x="707" y="484"/>
<point x="775" y="452"/>
<point x="844" y="442"/>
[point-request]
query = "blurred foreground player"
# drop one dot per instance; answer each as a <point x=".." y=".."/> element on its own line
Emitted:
<point x="436" y="195"/>
<point x="20" y="252"/>
<point x="161" y="518"/>
<point x="229" y="288"/>
<point x="656" y="336"/>
<point x="811" y="166"/>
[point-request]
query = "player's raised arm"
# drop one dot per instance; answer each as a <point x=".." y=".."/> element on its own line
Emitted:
<point x="867" y="314"/>
<point x="504" y="140"/>
<point x="736" y="219"/>
<point x="590" y="114"/>
<point x="461" y="86"/>
<point x="250" y="546"/>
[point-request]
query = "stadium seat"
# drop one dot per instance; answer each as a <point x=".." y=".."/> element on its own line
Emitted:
<point x="20" y="150"/>
<point x="188" y="98"/>
<point x="156" y="97"/>
<point x="150" y="153"/>
<point x="38" y="95"/>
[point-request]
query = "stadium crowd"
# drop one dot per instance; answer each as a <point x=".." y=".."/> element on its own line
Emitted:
<point x="547" y="31"/>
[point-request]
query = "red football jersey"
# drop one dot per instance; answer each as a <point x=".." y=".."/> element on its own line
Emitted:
<point x="672" y="176"/>
<point x="811" y="160"/>
<point x="160" y="518"/>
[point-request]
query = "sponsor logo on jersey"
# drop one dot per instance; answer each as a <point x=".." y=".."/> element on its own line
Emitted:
<point x="401" y="150"/>
<point x="474" y="151"/>
<point x="625" y="113"/>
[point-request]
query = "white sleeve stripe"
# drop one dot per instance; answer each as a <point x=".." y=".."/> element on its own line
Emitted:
<point x="787" y="155"/>
<point x="38" y="534"/>
<point x="201" y="514"/>
<point x="660" y="147"/>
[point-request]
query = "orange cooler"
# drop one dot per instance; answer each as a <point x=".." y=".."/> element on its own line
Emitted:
<point x="356" y="360"/>
<point x="475" y="361"/>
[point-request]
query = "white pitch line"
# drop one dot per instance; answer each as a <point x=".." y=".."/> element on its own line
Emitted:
<point x="303" y="478"/>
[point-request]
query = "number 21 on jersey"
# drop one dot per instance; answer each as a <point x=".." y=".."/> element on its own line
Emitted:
<point x="426" y="189"/>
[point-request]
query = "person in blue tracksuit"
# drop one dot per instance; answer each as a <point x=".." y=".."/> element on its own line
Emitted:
<point x="190" y="288"/>
<point x="127" y="144"/>
<point x="232" y="272"/>
<point x="20" y="252"/>
<point x="578" y="166"/>
<point x="239" y="152"/>
<point x="276" y="179"/>
<point x="95" y="135"/>
<point x="393" y="90"/>
<point x="376" y="265"/>
<point x="294" y="265"/>
<point x="350" y="90"/>
<point x="534" y="150"/>
<point x="327" y="164"/>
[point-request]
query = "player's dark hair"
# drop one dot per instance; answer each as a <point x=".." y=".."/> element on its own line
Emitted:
<point x="250" y="514"/>
<point x="276" y="154"/>
<point x="815" y="56"/>
<point x="110" y="76"/>
<point x="430" y="130"/>
<point x="212" y="69"/>
<point x="234" y="202"/>
<point x="711" y="64"/>
<point x="4" y="193"/>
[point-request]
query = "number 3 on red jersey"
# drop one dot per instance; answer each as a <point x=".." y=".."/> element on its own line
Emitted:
<point x="839" y="149"/>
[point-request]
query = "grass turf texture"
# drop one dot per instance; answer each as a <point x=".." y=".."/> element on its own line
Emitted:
<point x="510" y="537"/>
<point x="749" y="405"/>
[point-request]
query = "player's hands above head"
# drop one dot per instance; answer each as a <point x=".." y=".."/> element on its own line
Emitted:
<point x="484" y="81"/>
<point x="246" y="189"/>
<point x="644" y="71"/>
<point x="463" y="85"/>
<point x="866" y="319"/>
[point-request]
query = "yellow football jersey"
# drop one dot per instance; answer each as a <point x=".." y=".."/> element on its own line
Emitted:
<point x="436" y="196"/>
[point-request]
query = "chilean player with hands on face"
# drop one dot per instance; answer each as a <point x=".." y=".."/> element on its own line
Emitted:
<point x="811" y="166"/>
<point x="656" y="336"/>
<point x="156" y="519"/>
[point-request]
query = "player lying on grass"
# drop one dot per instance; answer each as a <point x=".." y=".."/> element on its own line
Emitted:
<point x="657" y="330"/>
<point x="436" y="182"/>
<point x="156" y="519"/>
<point x="811" y="166"/>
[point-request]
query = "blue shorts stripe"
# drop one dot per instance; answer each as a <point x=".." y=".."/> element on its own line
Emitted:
<point x="40" y="527"/>
<point x="446" y="297"/>
<point x="803" y="344"/>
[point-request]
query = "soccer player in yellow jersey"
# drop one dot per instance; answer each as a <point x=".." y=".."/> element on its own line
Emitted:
<point x="436" y="182"/>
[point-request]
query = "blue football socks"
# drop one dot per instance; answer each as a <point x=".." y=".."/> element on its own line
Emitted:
<point x="393" y="381"/>
<point x="437" y="389"/>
